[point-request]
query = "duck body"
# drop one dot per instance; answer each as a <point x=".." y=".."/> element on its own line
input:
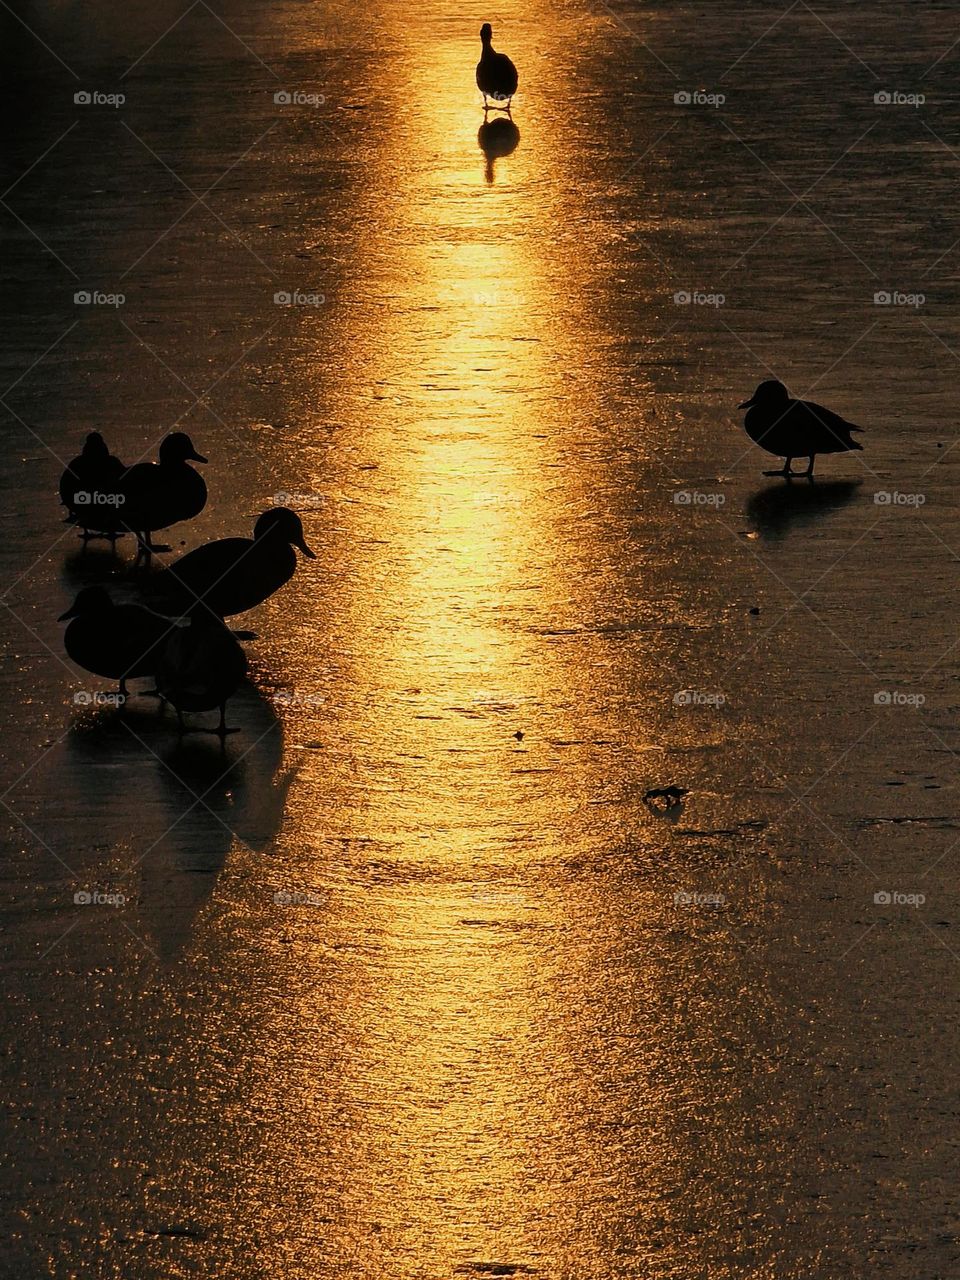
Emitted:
<point x="117" y="641"/>
<point x="90" y="489"/>
<point x="163" y="493"/>
<point x="790" y="428"/>
<point x="496" y="75"/>
<point x="201" y="666"/>
<point x="233" y="575"/>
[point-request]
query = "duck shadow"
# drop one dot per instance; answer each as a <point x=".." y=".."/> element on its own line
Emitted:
<point x="176" y="807"/>
<point x="94" y="564"/>
<point x="497" y="138"/>
<point x="777" y="508"/>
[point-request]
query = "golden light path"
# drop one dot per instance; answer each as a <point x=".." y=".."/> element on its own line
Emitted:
<point x="428" y="1100"/>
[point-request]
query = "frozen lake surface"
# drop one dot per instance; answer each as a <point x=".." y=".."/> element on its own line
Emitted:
<point x="412" y="983"/>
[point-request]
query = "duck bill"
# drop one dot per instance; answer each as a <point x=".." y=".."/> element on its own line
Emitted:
<point x="71" y="613"/>
<point x="302" y="544"/>
<point x="193" y="456"/>
<point x="746" y="404"/>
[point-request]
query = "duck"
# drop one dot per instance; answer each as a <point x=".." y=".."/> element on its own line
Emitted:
<point x="496" y="75"/>
<point x="89" y="489"/>
<point x="791" y="429"/>
<point x="118" y="641"/>
<point x="159" y="494"/>
<point x="233" y="575"/>
<point x="200" y="667"/>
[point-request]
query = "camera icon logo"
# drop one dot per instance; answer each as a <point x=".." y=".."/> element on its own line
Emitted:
<point x="882" y="98"/>
<point x="882" y="898"/>
<point x="882" y="298"/>
<point x="282" y="898"/>
<point x="82" y="298"/>
<point x="83" y="897"/>
<point x="682" y="98"/>
<point x="682" y="298"/>
<point x="82" y="98"/>
<point x="282" y="298"/>
<point x="883" y="699"/>
<point x="682" y="498"/>
<point x="82" y="698"/>
<point x="282" y="98"/>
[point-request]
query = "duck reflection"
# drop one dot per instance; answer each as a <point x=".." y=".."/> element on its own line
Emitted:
<point x="776" y="508"/>
<point x="497" y="138"/>
<point x="171" y="810"/>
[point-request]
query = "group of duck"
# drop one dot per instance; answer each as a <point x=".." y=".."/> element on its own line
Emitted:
<point x="175" y="633"/>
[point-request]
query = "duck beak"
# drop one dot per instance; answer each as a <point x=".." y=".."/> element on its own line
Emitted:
<point x="193" y="456"/>
<point x="71" y="613"/>
<point x="302" y="544"/>
<point x="745" y="405"/>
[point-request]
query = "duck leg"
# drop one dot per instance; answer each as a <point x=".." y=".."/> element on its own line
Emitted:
<point x="222" y="730"/>
<point x="784" y="470"/>
<point x="809" y="471"/>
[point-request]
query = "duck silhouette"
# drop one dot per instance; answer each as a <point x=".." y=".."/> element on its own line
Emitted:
<point x="496" y="138"/>
<point x="200" y="667"/>
<point x="119" y="641"/>
<point x="791" y="429"/>
<point x="496" y="75"/>
<point x="233" y="575"/>
<point x="89" y="489"/>
<point x="159" y="494"/>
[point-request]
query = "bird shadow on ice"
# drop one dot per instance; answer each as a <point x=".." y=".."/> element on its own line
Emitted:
<point x="777" y="508"/>
<point x="178" y="806"/>
<point x="497" y="138"/>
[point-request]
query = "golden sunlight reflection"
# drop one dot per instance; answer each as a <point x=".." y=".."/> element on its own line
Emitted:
<point x="441" y="804"/>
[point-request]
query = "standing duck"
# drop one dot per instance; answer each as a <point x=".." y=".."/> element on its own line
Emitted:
<point x="794" y="428"/>
<point x="496" y="74"/>
<point x="200" y="667"/>
<point x="119" y="641"/>
<point x="233" y="575"/>
<point x="159" y="494"/>
<point x="89" y="489"/>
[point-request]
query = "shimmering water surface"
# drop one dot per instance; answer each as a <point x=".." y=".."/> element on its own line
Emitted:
<point x="412" y="982"/>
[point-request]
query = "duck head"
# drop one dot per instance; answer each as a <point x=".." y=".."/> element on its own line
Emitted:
<point x="178" y="447"/>
<point x="486" y="33"/>
<point x="90" y="600"/>
<point x="95" y="448"/>
<point x="281" y="522"/>
<point x="770" y="394"/>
